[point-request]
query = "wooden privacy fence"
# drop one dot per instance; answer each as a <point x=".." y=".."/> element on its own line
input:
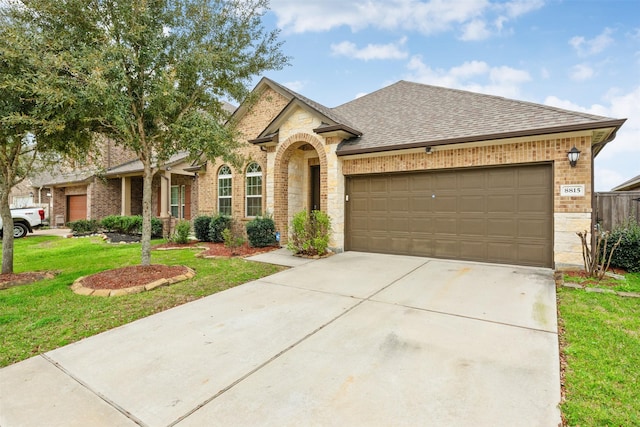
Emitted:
<point x="614" y="207"/>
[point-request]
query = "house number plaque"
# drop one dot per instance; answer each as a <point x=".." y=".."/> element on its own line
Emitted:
<point x="576" y="190"/>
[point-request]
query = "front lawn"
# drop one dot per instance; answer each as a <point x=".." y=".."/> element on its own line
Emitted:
<point x="602" y="349"/>
<point x="45" y="315"/>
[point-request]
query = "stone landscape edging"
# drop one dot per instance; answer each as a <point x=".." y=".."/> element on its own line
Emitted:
<point x="80" y="289"/>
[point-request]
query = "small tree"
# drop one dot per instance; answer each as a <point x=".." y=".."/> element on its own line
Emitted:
<point x="597" y="258"/>
<point x="310" y="233"/>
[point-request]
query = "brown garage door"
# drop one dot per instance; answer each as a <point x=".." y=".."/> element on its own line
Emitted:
<point x="501" y="215"/>
<point x="76" y="207"/>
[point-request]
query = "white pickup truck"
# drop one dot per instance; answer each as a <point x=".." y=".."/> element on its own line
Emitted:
<point x="24" y="221"/>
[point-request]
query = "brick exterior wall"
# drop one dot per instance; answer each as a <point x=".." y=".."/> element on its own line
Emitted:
<point x="104" y="198"/>
<point x="261" y="113"/>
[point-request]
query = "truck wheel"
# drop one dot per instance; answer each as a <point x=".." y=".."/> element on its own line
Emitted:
<point x="19" y="230"/>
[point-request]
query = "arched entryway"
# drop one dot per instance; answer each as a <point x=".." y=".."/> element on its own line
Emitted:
<point x="300" y="179"/>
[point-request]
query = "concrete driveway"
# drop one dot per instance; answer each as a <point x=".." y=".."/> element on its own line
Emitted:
<point x="354" y="339"/>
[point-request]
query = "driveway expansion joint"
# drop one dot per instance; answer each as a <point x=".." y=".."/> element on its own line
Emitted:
<point x="86" y="386"/>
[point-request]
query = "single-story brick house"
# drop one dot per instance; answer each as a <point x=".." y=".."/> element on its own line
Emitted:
<point x="418" y="170"/>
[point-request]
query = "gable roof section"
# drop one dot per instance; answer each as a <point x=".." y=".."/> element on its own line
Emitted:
<point x="632" y="184"/>
<point x="332" y="121"/>
<point x="412" y="115"/>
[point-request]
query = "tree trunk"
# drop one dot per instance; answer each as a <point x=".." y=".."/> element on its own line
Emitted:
<point x="7" y="232"/>
<point x="147" y="180"/>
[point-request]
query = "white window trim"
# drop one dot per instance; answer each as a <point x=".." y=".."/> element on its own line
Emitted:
<point x="228" y="176"/>
<point x="248" y="175"/>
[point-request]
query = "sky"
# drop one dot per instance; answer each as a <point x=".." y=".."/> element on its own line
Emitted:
<point x="581" y="55"/>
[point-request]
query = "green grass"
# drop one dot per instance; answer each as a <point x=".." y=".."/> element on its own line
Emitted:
<point x="602" y="348"/>
<point x="631" y="283"/>
<point x="42" y="316"/>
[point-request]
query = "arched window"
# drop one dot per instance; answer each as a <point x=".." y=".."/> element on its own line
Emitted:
<point x="254" y="190"/>
<point x="224" y="190"/>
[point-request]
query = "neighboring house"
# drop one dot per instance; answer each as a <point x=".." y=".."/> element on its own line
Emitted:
<point x="114" y="187"/>
<point x="418" y="170"/>
<point x="631" y="185"/>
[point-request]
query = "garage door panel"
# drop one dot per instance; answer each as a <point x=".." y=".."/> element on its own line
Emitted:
<point x="446" y="248"/>
<point x="445" y="204"/>
<point x="422" y="225"/>
<point x="397" y="204"/>
<point x="502" y="203"/>
<point x="502" y="227"/>
<point x="398" y="225"/>
<point x="76" y="207"/>
<point x="502" y="178"/>
<point x="532" y="228"/>
<point x="470" y="249"/>
<point x="421" y="204"/>
<point x="472" y="226"/>
<point x="378" y="204"/>
<point x="501" y="214"/>
<point x="533" y="203"/>
<point x="378" y="185"/>
<point x="472" y="204"/>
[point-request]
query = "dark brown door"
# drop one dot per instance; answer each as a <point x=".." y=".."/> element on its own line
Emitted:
<point x="76" y="207"/>
<point x="315" y="188"/>
<point x="502" y="215"/>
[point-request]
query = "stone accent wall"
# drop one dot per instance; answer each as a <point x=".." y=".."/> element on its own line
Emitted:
<point x="567" y="246"/>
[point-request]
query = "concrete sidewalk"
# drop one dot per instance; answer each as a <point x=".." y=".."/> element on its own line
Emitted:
<point x="354" y="339"/>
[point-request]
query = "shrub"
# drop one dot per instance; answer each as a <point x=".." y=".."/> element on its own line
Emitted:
<point x="83" y="226"/>
<point x="627" y="254"/>
<point x="130" y="224"/>
<point x="201" y="227"/>
<point x="156" y="227"/>
<point x="231" y="239"/>
<point x="261" y="232"/>
<point x="216" y="227"/>
<point x="123" y="224"/>
<point x="310" y="233"/>
<point x="183" y="228"/>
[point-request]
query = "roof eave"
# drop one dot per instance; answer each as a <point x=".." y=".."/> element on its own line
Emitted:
<point x="488" y="137"/>
<point x="340" y="130"/>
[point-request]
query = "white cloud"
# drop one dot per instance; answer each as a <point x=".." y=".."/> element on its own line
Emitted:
<point x="581" y="72"/>
<point x="470" y="17"/>
<point x="371" y="51"/>
<point x="544" y="73"/>
<point x="296" y="85"/>
<point x="475" y="30"/>
<point x="476" y="76"/>
<point x="619" y="159"/>
<point x="594" y="46"/>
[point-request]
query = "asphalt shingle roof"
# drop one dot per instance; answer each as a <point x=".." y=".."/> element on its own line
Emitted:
<point x="408" y="114"/>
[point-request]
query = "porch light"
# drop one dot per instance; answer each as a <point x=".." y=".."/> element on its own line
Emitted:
<point x="573" y="155"/>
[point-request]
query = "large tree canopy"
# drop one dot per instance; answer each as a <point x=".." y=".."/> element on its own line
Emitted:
<point x="43" y="108"/>
<point x="157" y="70"/>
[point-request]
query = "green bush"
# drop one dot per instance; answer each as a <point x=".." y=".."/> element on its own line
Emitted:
<point x="130" y="225"/>
<point x="216" y="227"/>
<point x="310" y="233"/>
<point x="201" y="228"/>
<point x="231" y="239"/>
<point x="261" y="232"/>
<point x="181" y="235"/>
<point x="83" y="226"/>
<point x="156" y="227"/>
<point x="627" y="255"/>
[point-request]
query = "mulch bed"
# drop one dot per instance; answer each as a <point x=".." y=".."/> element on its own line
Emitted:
<point x="211" y="250"/>
<point x="16" y="279"/>
<point x="131" y="276"/>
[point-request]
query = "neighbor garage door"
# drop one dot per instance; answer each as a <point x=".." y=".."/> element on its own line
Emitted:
<point x="501" y="215"/>
<point x="77" y="207"/>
